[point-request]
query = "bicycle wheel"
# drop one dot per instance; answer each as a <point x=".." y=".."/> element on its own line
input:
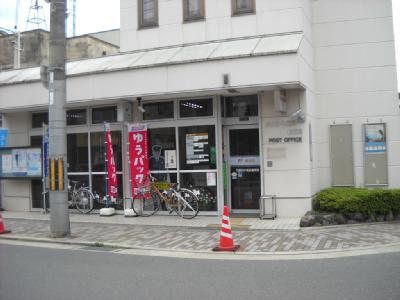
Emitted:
<point x="188" y="204"/>
<point x="146" y="206"/>
<point x="84" y="200"/>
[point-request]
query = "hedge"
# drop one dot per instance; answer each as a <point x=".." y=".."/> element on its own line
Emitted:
<point x="351" y="200"/>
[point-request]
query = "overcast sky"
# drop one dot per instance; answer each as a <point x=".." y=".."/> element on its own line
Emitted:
<point x="99" y="15"/>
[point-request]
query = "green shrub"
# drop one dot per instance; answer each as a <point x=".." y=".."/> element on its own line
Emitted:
<point x="350" y="200"/>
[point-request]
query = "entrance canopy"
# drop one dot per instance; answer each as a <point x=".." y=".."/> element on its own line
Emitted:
<point x="196" y="67"/>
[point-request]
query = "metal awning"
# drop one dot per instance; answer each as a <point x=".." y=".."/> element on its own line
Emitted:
<point x="237" y="48"/>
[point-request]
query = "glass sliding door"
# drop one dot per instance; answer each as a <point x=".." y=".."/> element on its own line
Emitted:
<point x="244" y="167"/>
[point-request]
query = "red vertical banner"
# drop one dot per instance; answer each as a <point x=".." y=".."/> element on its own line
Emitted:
<point x="112" y="187"/>
<point x="138" y="157"/>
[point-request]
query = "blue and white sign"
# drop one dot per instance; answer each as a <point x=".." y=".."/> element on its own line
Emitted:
<point x="46" y="150"/>
<point x="3" y="137"/>
<point x="375" y="138"/>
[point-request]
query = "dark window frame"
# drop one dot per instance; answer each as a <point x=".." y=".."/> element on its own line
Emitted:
<point x="104" y="107"/>
<point x="77" y="110"/>
<point x="43" y="113"/>
<point x="198" y="99"/>
<point x="187" y="18"/>
<point x="239" y="12"/>
<point x="141" y="22"/>
<point x="162" y="118"/>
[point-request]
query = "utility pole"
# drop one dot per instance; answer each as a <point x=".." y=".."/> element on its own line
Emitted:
<point x="59" y="215"/>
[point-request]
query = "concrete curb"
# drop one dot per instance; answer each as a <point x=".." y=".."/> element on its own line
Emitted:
<point x="204" y="254"/>
<point x="211" y="228"/>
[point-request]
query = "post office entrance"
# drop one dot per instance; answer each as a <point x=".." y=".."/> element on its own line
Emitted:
<point x="243" y="168"/>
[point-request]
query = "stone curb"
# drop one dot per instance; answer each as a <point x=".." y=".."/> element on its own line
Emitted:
<point x="311" y="228"/>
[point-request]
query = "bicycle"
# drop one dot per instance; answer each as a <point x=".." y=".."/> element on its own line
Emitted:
<point x="180" y="200"/>
<point x="82" y="198"/>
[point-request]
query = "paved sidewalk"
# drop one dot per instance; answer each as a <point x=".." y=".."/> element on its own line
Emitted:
<point x="167" y="220"/>
<point x="205" y="238"/>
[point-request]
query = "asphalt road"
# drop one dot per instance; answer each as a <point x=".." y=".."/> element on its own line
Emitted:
<point x="40" y="273"/>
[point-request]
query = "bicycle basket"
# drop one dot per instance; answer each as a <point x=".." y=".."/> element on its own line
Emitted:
<point x="162" y="185"/>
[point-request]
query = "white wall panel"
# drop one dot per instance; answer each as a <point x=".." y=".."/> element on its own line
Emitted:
<point x="129" y="18"/>
<point x="23" y="95"/>
<point x="170" y="12"/>
<point x="356" y="80"/>
<point x="218" y="9"/>
<point x="292" y="208"/>
<point x="347" y="105"/>
<point x="344" y="10"/>
<point x="194" y="32"/>
<point x="393" y="153"/>
<point x="147" y="38"/>
<point x="359" y="176"/>
<point x="394" y="177"/>
<point x="244" y="26"/>
<point x="324" y="157"/>
<point x="355" y="56"/>
<point x="353" y="32"/>
<point x="279" y="21"/>
<point x="292" y="183"/>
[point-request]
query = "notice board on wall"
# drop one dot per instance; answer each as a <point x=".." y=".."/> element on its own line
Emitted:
<point x="21" y="162"/>
<point x="375" y="154"/>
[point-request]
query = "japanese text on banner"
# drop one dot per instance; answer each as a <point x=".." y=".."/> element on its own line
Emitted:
<point x="138" y="157"/>
<point x="112" y="187"/>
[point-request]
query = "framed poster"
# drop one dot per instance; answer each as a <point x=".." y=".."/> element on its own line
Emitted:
<point x="21" y="162"/>
<point x="375" y="155"/>
<point x="375" y="138"/>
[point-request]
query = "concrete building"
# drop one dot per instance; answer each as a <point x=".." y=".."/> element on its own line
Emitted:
<point x="249" y="98"/>
<point x="35" y="48"/>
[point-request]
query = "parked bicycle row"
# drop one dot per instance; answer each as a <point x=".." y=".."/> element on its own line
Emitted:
<point x="150" y="197"/>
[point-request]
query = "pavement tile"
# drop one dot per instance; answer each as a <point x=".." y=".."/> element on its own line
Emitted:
<point x="204" y="239"/>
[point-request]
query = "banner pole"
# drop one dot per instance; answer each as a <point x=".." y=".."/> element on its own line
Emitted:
<point x="44" y="134"/>
<point x="106" y="163"/>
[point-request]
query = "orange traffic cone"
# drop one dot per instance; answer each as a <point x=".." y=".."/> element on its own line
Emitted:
<point x="226" y="240"/>
<point x="2" y="230"/>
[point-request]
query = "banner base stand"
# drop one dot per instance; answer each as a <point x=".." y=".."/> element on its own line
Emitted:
<point x="129" y="212"/>
<point x="107" y="211"/>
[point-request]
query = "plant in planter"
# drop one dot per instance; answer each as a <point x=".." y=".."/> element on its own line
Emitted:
<point x="352" y="205"/>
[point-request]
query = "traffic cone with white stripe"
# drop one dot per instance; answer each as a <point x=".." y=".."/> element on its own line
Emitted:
<point x="2" y="229"/>
<point x="226" y="239"/>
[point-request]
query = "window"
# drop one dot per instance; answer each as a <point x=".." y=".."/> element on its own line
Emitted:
<point x="197" y="147"/>
<point x="158" y="110"/>
<point x="39" y="118"/>
<point x="148" y="13"/>
<point x="104" y="114"/>
<point x="97" y="145"/>
<point x="76" y="117"/>
<point x="77" y="152"/>
<point x="240" y="106"/>
<point x="162" y="152"/>
<point x="243" y="6"/>
<point x="196" y="108"/>
<point x="193" y="10"/>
